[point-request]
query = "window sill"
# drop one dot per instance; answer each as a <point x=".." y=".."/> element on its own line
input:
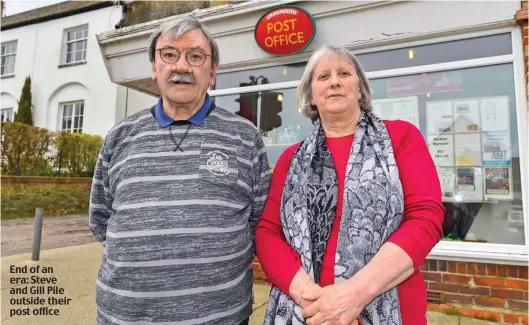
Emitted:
<point x="7" y="76"/>
<point x="66" y="65"/>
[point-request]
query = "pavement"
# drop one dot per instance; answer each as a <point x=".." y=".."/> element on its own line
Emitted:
<point x="75" y="270"/>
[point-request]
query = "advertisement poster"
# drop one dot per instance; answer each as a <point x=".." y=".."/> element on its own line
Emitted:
<point x="468" y="149"/>
<point x="498" y="183"/>
<point x="440" y="117"/>
<point x="495" y="114"/>
<point x="442" y="149"/>
<point x="401" y="108"/>
<point x="447" y="180"/>
<point x="466" y="116"/>
<point x="496" y="149"/>
<point x="469" y="184"/>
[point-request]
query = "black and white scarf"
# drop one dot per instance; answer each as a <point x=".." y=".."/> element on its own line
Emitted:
<point x="373" y="205"/>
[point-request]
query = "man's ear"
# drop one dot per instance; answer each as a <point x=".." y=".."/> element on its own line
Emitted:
<point x="154" y="76"/>
<point x="213" y="74"/>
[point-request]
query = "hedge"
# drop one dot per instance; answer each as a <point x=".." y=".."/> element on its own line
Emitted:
<point x="33" y="151"/>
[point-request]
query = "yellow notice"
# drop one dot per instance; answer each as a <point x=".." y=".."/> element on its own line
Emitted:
<point x="465" y="160"/>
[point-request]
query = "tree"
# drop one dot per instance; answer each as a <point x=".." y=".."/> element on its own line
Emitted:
<point x="24" y="114"/>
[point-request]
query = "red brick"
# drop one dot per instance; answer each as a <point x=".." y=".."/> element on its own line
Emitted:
<point x="445" y="287"/>
<point x="490" y="315"/>
<point x="452" y="267"/>
<point x="442" y="266"/>
<point x="513" y="271"/>
<point x="462" y="267"/>
<point x="506" y="293"/>
<point x="524" y="319"/>
<point x="517" y="304"/>
<point x="512" y="318"/>
<point x="481" y="269"/>
<point x="433" y="276"/>
<point x="432" y="265"/>
<point x="432" y="307"/>
<point x="479" y="291"/>
<point x="472" y="268"/>
<point x="525" y="296"/>
<point x="492" y="269"/>
<point x="522" y="272"/>
<point x="490" y="301"/>
<point x="474" y="313"/>
<point x="516" y="284"/>
<point x="424" y="266"/>
<point x="489" y="281"/>
<point x="464" y="299"/>
<point x="456" y="278"/>
<point x="503" y="270"/>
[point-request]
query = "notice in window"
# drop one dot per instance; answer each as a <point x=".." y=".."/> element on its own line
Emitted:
<point x="469" y="184"/>
<point x="496" y="149"/>
<point x="440" y="117"/>
<point x="495" y="114"/>
<point x="401" y="108"/>
<point x="498" y="184"/>
<point x="447" y="180"/>
<point x="442" y="149"/>
<point x="466" y="116"/>
<point x="468" y="149"/>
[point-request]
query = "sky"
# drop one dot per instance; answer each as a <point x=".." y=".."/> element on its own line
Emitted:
<point x="16" y="6"/>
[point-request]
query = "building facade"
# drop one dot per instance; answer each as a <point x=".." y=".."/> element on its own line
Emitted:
<point x="460" y="77"/>
<point x="56" y="46"/>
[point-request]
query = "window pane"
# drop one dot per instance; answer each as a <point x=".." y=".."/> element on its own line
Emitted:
<point x="81" y="108"/>
<point x="69" y="36"/>
<point x="9" y="64"/>
<point x="78" y="56"/>
<point x="69" y="57"/>
<point x="281" y="124"/>
<point x="81" y="123"/>
<point x="468" y="118"/>
<point x="4" y="47"/>
<point x="76" y="122"/>
<point x="289" y="72"/>
<point x="79" y="34"/>
<point x="85" y="33"/>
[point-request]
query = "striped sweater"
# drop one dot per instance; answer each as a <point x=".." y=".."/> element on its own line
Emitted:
<point x="178" y="226"/>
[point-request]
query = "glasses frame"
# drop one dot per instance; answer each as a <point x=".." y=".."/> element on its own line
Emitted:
<point x="180" y="53"/>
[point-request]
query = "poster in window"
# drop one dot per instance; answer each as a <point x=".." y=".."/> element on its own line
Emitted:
<point x="495" y="114"/>
<point x="448" y="185"/>
<point x="498" y="184"/>
<point x="442" y="149"/>
<point x="468" y="149"/>
<point x="466" y="116"/>
<point x="469" y="184"/>
<point x="401" y="108"/>
<point x="496" y="149"/>
<point x="440" y="117"/>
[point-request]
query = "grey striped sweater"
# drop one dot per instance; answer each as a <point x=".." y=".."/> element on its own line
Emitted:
<point x="178" y="226"/>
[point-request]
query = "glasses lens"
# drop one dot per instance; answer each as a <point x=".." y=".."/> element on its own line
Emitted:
<point x="195" y="58"/>
<point x="169" y="55"/>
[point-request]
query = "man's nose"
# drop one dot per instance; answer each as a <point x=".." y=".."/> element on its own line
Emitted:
<point x="181" y="65"/>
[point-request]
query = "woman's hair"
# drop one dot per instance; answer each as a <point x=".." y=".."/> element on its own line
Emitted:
<point x="304" y="92"/>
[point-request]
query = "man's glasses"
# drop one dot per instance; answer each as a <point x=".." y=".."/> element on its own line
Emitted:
<point x="194" y="58"/>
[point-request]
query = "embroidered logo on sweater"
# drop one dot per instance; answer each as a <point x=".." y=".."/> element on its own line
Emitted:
<point x="217" y="163"/>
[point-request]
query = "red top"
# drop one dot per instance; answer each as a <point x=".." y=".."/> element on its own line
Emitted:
<point x="420" y="230"/>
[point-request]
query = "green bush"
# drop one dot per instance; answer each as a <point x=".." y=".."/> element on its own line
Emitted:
<point x="20" y="200"/>
<point x="33" y="151"/>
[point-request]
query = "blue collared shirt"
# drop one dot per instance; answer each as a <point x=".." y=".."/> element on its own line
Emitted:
<point x="197" y="119"/>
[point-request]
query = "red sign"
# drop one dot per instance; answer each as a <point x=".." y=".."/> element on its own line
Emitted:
<point x="285" y="30"/>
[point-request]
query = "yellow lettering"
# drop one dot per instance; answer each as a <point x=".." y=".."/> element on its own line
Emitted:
<point x="290" y="38"/>
<point x="278" y="29"/>
<point x="269" y="41"/>
<point x="292" y="21"/>
<point x="301" y="37"/>
<point x="269" y="27"/>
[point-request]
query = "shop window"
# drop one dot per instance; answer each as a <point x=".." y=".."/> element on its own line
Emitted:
<point x="468" y="119"/>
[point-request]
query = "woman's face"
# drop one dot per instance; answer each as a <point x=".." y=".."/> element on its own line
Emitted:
<point x="335" y="87"/>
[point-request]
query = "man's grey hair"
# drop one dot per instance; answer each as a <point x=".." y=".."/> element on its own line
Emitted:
<point x="304" y="92"/>
<point x="177" y="28"/>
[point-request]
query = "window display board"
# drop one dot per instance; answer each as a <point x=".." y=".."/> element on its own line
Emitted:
<point x="470" y="143"/>
<point x="399" y="108"/>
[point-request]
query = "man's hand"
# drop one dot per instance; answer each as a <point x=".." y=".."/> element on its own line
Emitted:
<point x="338" y="304"/>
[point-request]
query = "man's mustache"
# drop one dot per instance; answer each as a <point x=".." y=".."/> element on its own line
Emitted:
<point x="182" y="77"/>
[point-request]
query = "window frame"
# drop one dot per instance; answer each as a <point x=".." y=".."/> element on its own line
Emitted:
<point x="10" y="54"/>
<point x="65" y="42"/>
<point x="62" y="107"/>
<point x="446" y="250"/>
<point x="12" y="115"/>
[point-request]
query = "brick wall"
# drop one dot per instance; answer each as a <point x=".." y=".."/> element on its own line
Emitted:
<point x="485" y="291"/>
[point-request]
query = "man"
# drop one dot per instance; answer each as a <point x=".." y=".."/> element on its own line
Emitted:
<point x="176" y="196"/>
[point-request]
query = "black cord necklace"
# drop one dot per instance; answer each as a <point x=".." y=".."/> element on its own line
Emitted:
<point x="178" y="148"/>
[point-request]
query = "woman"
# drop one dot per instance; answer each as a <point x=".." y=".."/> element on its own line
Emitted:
<point x="353" y="210"/>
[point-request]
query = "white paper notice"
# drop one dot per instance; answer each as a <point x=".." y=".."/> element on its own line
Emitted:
<point x="400" y="108"/>
<point x="440" y="117"/>
<point x="496" y="149"/>
<point x="495" y="114"/>
<point x="468" y="149"/>
<point x="498" y="183"/>
<point x="447" y="178"/>
<point x="466" y="116"/>
<point x="469" y="184"/>
<point x="442" y="149"/>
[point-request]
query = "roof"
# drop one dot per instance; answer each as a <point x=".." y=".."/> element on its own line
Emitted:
<point x="55" y="11"/>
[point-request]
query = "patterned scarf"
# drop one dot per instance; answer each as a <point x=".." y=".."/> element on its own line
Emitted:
<point x="372" y="210"/>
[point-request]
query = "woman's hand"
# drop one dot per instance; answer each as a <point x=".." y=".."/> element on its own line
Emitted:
<point x="339" y="304"/>
<point x="302" y="282"/>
